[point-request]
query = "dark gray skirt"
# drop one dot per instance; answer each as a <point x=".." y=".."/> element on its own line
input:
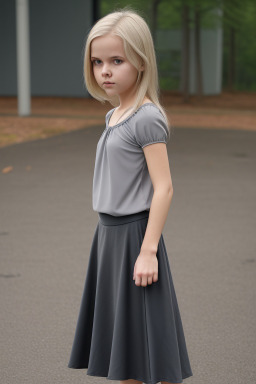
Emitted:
<point x="126" y="331"/>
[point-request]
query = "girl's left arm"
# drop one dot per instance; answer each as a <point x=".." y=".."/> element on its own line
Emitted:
<point x="159" y="170"/>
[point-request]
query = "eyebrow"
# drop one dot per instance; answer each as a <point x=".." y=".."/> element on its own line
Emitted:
<point x="112" y="57"/>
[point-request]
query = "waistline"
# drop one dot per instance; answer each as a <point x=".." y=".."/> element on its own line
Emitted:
<point x="107" y="219"/>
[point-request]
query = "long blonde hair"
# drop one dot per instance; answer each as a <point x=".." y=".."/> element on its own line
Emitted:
<point x="138" y="47"/>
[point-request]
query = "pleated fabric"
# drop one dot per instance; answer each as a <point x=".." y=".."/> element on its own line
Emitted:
<point x="126" y="331"/>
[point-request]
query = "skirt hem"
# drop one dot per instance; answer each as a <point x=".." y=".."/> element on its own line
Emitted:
<point x="185" y="376"/>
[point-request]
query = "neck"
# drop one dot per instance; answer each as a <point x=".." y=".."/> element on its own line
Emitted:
<point x="127" y="101"/>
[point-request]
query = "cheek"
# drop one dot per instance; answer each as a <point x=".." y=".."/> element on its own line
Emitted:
<point x="132" y="71"/>
<point x="128" y="73"/>
<point x="96" y="72"/>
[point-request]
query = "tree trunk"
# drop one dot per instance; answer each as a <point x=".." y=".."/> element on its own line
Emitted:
<point x="186" y="52"/>
<point x="198" y="65"/>
<point x="154" y="15"/>
<point x="232" y="59"/>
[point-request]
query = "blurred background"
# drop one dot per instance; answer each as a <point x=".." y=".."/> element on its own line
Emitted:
<point x="49" y="129"/>
<point x="205" y="52"/>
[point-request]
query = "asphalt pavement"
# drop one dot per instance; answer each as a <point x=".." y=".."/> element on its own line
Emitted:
<point x="46" y="228"/>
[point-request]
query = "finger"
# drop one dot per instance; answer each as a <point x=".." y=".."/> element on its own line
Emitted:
<point x="155" y="277"/>
<point x="137" y="280"/>
<point x="144" y="281"/>
<point x="150" y="279"/>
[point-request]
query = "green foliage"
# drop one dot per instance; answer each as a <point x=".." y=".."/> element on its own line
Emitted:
<point x="169" y="17"/>
<point x="240" y="15"/>
<point x="167" y="84"/>
<point x="142" y="6"/>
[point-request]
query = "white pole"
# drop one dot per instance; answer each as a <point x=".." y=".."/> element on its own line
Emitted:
<point x="23" y="57"/>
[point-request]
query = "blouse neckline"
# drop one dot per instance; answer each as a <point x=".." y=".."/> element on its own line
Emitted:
<point x="128" y="117"/>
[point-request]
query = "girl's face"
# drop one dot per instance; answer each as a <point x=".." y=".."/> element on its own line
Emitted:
<point x="111" y="65"/>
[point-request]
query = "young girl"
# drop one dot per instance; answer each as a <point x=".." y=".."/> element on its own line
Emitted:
<point x="129" y="325"/>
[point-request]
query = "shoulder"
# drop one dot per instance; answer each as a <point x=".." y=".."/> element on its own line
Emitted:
<point x="150" y="109"/>
<point x="150" y="115"/>
<point x="149" y="126"/>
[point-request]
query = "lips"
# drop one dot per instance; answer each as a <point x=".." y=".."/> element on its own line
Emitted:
<point x="108" y="82"/>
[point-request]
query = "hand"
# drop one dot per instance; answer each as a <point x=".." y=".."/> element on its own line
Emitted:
<point x="145" y="269"/>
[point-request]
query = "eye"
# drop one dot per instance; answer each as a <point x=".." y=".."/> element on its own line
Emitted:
<point x="94" y="61"/>
<point x="119" y="60"/>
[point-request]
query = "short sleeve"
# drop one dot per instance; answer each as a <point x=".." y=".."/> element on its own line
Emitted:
<point x="150" y="128"/>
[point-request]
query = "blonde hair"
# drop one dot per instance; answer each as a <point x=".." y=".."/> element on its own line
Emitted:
<point x="138" y="47"/>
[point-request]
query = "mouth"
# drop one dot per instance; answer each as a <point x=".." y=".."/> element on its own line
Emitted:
<point x="108" y="82"/>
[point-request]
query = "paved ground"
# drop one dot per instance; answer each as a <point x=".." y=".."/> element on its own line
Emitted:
<point x="55" y="115"/>
<point x="46" y="228"/>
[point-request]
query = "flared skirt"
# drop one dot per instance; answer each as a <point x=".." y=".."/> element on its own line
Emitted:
<point x="125" y="331"/>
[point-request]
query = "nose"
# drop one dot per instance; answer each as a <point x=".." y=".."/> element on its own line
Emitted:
<point x="105" y="70"/>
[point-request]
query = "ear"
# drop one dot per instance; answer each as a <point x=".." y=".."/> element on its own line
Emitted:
<point x="142" y="67"/>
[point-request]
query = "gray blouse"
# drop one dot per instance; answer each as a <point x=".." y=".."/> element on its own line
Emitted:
<point x="121" y="181"/>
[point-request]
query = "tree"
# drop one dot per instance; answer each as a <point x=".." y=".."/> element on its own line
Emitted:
<point x="233" y="18"/>
<point x="192" y="12"/>
<point x="200" y="8"/>
<point x="186" y="50"/>
<point x="197" y="11"/>
<point x="154" y="15"/>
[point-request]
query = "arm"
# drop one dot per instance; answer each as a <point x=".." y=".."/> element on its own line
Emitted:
<point x="145" y="270"/>
<point x="159" y="171"/>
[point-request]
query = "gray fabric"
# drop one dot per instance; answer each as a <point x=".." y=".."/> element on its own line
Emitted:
<point x="126" y="331"/>
<point x="121" y="181"/>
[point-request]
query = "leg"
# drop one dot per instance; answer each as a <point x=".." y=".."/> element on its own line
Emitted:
<point x="166" y="382"/>
<point x="131" y="381"/>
